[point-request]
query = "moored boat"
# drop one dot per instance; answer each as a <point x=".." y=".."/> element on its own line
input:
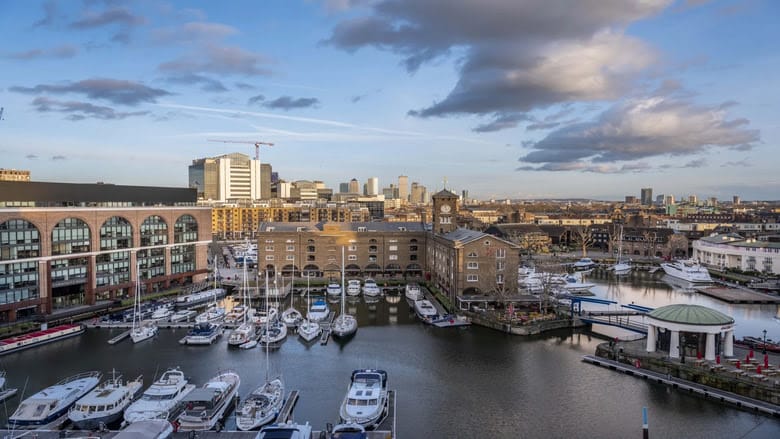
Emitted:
<point x="333" y="289"/>
<point x="413" y="292"/>
<point x="5" y="393"/>
<point x="48" y="409"/>
<point x="353" y="287"/>
<point x="37" y="338"/>
<point x="184" y="315"/>
<point x="207" y="405"/>
<point x="161" y="398"/>
<point x="199" y="298"/>
<point x="371" y="289"/>
<point x="104" y="404"/>
<point x="318" y="311"/>
<point x="261" y="406"/>
<point x="142" y="329"/>
<point x="146" y="429"/>
<point x="425" y="310"/>
<point x="688" y="270"/>
<point x="289" y="430"/>
<point x="451" y="320"/>
<point x="365" y="403"/>
<point x="202" y="334"/>
<point x="584" y="264"/>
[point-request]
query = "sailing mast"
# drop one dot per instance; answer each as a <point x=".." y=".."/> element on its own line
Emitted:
<point x="342" y="282"/>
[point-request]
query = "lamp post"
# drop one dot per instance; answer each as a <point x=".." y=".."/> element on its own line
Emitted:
<point x="764" y="350"/>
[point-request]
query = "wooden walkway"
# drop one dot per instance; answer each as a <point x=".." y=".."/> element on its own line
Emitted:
<point x="289" y="405"/>
<point x="119" y="337"/>
<point x="699" y="389"/>
<point x="738" y="295"/>
<point x="326" y="325"/>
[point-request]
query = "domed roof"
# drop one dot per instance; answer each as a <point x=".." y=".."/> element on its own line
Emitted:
<point x="690" y="315"/>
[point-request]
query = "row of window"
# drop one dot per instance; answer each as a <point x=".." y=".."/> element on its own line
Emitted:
<point x="351" y="248"/>
<point x="371" y="258"/>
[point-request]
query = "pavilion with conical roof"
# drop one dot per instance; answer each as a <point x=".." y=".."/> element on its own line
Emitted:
<point x="684" y="328"/>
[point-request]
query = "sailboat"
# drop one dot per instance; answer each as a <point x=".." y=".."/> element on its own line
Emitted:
<point x="309" y="330"/>
<point x="274" y="330"/>
<point x="214" y="313"/>
<point x="264" y="403"/>
<point x="621" y="266"/>
<point x="146" y="329"/>
<point x="246" y="331"/>
<point x="344" y="325"/>
<point x="291" y="316"/>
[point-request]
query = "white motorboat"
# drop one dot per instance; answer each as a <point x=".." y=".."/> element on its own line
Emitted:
<point x="574" y="283"/>
<point x="687" y="270"/>
<point x="162" y="313"/>
<point x="348" y="431"/>
<point x="261" y="406"/>
<point x="142" y="330"/>
<point x="451" y="320"/>
<point x="48" y="409"/>
<point x="345" y="325"/>
<point x="203" y="333"/>
<point x="371" y="289"/>
<point x="333" y="289"/>
<point x="104" y="404"/>
<point x="236" y="315"/>
<point x="246" y="331"/>
<point x="289" y="430"/>
<point x="425" y="310"/>
<point x="318" y="311"/>
<point x="262" y="316"/>
<point x="366" y="400"/>
<point x="146" y="429"/>
<point x="249" y="345"/>
<point x="199" y="298"/>
<point x="584" y="264"/>
<point x="413" y="292"/>
<point x="6" y="393"/>
<point x="184" y="315"/>
<point x="353" y="287"/>
<point x="621" y="266"/>
<point x="161" y="398"/>
<point x="207" y="405"/>
<point x="214" y="314"/>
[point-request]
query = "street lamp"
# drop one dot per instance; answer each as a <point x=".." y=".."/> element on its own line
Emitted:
<point x="764" y="350"/>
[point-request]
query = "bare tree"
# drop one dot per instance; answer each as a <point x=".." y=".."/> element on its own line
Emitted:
<point x="650" y="237"/>
<point x="583" y="237"/>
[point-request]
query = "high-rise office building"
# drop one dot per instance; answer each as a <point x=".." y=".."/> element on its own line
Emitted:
<point x="418" y="193"/>
<point x="373" y="186"/>
<point x="736" y="200"/>
<point x="227" y="177"/>
<point x="631" y="199"/>
<point x="693" y="199"/>
<point x="343" y="188"/>
<point x="403" y="188"/>
<point x="669" y="200"/>
<point x="354" y="186"/>
<point x="659" y="199"/>
<point x="647" y="196"/>
<point x="265" y="181"/>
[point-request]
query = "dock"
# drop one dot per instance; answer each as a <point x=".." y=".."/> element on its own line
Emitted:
<point x="120" y="337"/>
<point x="691" y="387"/>
<point x="737" y="295"/>
<point x="326" y="325"/>
<point x="286" y="411"/>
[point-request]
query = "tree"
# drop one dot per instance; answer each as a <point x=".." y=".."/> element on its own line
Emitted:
<point x="583" y="237"/>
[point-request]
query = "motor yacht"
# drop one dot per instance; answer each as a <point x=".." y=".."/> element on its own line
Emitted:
<point x="162" y="313"/>
<point x="203" y="333"/>
<point x="353" y="287"/>
<point x="584" y="264"/>
<point x="333" y="289"/>
<point x="183" y="316"/>
<point x="425" y="310"/>
<point x="366" y="400"/>
<point x="147" y="429"/>
<point x="318" y="311"/>
<point x="413" y="292"/>
<point x="48" y="409"/>
<point x="104" y="404"/>
<point x="688" y="270"/>
<point x="207" y="405"/>
<point x="161" y="398"/>
<point x="370" y="288"/>
<point x="289" y="430"/>
<point x="574" y="283"/>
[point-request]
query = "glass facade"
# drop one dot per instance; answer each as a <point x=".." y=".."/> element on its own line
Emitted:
<point x="183" y="257"/>
<point x="19" y="239"/>
<point x="69" y="276"/>
<point x="114" y="268"/>
<point x="154" y="231"/>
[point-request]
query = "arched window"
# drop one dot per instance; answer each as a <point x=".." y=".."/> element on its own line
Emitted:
<point x="153" y="233"/>
<point x="19" y="239"/>
<point x="114" y="268"/>
<point x="70" y="236"/>
<point x="183" y="256"/>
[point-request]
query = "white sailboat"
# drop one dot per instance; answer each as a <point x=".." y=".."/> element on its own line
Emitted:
<point x="291" y="316"/>
<point x="214" y="313"/>
<point x="308" y="329"/>
<point x="344" y="325"/>
<point x="146" y="329"/>
<point x="274" y="331"/>
<point x="621" y="266"/>
<point x="263" y="404"/>
<point x="246" y="331"/>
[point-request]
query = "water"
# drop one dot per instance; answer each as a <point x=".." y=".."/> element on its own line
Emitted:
<point x="470" y="382"/>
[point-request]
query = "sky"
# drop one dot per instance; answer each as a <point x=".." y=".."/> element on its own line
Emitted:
<point x="513" y="99"/>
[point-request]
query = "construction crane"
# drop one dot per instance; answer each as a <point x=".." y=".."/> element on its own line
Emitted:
<point x="257" y="144"/>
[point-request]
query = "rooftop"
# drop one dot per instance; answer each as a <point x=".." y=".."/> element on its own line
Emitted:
<point x="691" y="315"/>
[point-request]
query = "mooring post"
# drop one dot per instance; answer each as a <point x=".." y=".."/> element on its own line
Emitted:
<point x="645" y="429"/>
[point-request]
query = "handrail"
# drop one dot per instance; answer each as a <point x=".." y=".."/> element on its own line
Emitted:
<point x="92" y="373"/>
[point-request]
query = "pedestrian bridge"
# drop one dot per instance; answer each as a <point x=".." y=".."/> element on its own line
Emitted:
<point x="631" y="317"/>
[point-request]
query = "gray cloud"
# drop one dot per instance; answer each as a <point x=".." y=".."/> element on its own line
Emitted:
<point x="64" y="51"/>
<point x="697" y="163"/>
<point x="744" y="163"/>
<point x="49" y="14"/>
<point x="81" y="110"/>
<point x="255" y="99"/>
<point x="219" y="59"/>
<point x="244" y="86"/>
<point x="288" y="103"/>
<point x="31" y="157"/>
<point x="502" y="122"/>
<point x="58" y="157"/>
<point x="206" y="83"/>
<point x="197" y="31"/>
<point x="641" y="128"/>
<point x="116" y="91"/>
<point x="589" y="167"/>
<point x="115" y="15"/>
<point x="517" y="56"/>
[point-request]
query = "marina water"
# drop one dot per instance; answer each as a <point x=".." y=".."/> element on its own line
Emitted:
<point x="460" y="383"/>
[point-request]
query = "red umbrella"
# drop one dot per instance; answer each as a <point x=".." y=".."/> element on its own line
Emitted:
<point x="766" y="360"/>
<point x="698" y="355"/>
<point x="750" y="354"/>
<point x="717" y="359"/>
<point x="758" y="369"/>
<point x="738" y="365"/>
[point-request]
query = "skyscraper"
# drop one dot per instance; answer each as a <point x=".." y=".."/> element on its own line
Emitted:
<point x="343" y="188"/>
<point x="403" y="188"/>
<point x="354" y="186"/>
<point x="265" y="181"/>
<point x="647" y="196"/>
<point x="373" y="186"/>
<point x="227" y="177"/>
<point x="736" y="200"/>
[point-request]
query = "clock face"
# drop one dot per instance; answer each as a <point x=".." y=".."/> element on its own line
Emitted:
<point x="445" y="208"/>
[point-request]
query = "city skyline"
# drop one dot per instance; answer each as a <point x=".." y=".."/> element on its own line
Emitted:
<point x="521" y="100"/>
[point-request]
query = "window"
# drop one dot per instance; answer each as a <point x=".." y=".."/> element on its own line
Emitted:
<point x="269" y="248"/>
<point x="352" y="248"/>
<point x="487" y="242"/>
<point x="372" y="258"/>
<point x="392" y="240"/>
<point x="472" y="265"/>
<point x="361" y="229"/>
<point x="500" y="252"/>
<point x="402" y="229"/>
<point x="269" y="257"/>
<point x="352" y="257"/>
<point x="372" y="249"/>
<point x="500" y="265"/>
<point x="412" y="257"/>
<point x="472" y="278"/>
<point x="290" y="257"/>
<point x="270" y="229"/>
<point x="472" y="255"/>
<point x="393" y="248"/>
<point x="412" y="248"/>
<point x="500" y="279"/>
<point x="290" y="248"/>
<point x="269" y="241"/>
<point x="392" y="257"/>
<point x="311" y="249"/>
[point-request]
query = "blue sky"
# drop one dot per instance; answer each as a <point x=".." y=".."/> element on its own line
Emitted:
<point x="505" y="98"/>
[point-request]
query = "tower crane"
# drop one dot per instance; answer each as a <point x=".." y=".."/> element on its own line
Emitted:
<point x="256" y="143"/>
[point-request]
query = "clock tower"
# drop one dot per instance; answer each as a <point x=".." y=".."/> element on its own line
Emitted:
<point x="445" y="208"/>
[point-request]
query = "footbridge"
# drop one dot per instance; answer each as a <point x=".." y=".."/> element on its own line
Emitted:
<point x="630" y="317"/>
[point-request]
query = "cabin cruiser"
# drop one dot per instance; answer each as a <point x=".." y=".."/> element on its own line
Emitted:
<point x="244" y="333"/>
<point x="370" y="288"/>
<point x="688" y="270"/>
<point x="105" y="403"/>
<point x="48" y="409"/>
<point x="199" y="298"/>
<point x="183" y="316"/>
<point x="202" y="333"/>
<point x="162" y="313"/>
<point x="413" y="292"/>
<point x="318" y="311"/>
<point x="584" y="264"/>
<point x="205" y="406"/>
<point x="425" y="310"/>
<point x="575" y="284"/>
<point x="213" y="314"/>
<point x="236" y="315"/>
<point x="147" y="429"/>
<point x="7" y="393"/>
<point x="261" y="406"/>
<point x="348" y="431"/>
<point x="287" y="430"/>
<point x="333" y="289"/>
<point x="161" y="398"/>
<point x="366" y="400"/>
<point x="353" y="287"/>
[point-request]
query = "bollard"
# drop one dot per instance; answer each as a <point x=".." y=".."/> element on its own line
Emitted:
<point x="645" y="429"/>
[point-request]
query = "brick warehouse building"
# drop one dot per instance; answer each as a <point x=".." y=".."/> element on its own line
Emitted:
<point x="65" y="246"/>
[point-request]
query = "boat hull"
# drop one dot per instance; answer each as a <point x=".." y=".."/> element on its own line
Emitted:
<point x="38" y="338"/>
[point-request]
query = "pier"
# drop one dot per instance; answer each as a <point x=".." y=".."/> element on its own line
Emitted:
<point x="289" y="405"/>
<point x="737" y="295"/>
<point x="120" y="337"/>
<point x="325" y="325"/>
<point x="691" y="387"/>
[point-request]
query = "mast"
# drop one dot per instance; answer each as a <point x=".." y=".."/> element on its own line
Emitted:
<point x="137" y="305"/>
<point x="244" y="291"/>
<point x="267" y="334"/>
<point x="342" y="282"/>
